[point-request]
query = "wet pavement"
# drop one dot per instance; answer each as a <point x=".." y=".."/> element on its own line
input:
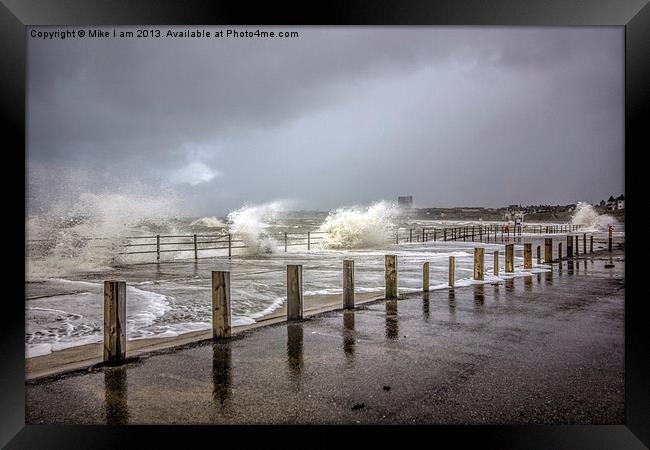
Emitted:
<point x="548" y="348"/>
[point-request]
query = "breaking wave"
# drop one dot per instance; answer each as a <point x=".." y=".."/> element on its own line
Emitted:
<point x="251" y="224"/>
<point x="356" y="227"/>
<point x="588" y="218"/>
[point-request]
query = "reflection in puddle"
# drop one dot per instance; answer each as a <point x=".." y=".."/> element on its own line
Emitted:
<point x="392" y="327"/>
<point x="221" y="372"/>
<point x="528" y="282"/>
<point x="569" y="266"/>
<point x="425" y="305"/>
<point x="479" y="294"/>
<point x="510" y="284"/>
<point x="294" y="350"/>
<point x="348" y="333"/>
<point x="115" y="396"/>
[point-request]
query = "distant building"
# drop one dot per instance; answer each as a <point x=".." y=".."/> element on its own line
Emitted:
<point x="405" y="202"/>
<point x="616" y="203"/>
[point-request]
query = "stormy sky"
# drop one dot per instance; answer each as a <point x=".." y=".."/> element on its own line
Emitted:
<point x="338" y="116"/>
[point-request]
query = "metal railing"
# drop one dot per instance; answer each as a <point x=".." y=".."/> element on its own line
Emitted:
<point x="197" y="243"/>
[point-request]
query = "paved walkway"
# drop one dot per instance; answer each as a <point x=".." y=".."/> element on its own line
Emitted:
<point x="543" y="349"/>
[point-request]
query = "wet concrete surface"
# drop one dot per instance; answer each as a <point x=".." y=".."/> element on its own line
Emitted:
<point x="548" y="348"/>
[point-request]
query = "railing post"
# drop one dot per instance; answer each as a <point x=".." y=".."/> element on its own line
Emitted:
<point x="528" y="256"/>
<point x="452" y="270"/>
<point x="220" y="304"/>
<point x="308" y="240"/>
<point x="548" y="250"/>
<point x="229" y="245"/>
<point x="577" y="245"/>
<point x="294" y="292"/>
<point x="435" y="237"/>
<point x="157" y="248"/>
<point x="285" y="241"/>
<point x="397" y="236"/>
<point x="196" y="250"/>
<point x="496" y="263"/>
<point x="609" y="238"/>
<point x="444" y="235"/>
<point x="114" y="321"/>
<point x="591" y="243"/>
<point x="425" y="277"/>
<point x="391" y="276"/>
<point x="410" y="235"/>
<point x="478" y="263"/>
<point x="348" y="284"/>
<point x="510" y="257"/>
<point x="584" y="243"/>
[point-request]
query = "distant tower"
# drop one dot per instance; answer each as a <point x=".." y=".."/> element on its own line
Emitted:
<point x="405" y="202"/>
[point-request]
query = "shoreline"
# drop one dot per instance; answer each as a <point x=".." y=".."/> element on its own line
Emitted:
<point x="85" y="356"/>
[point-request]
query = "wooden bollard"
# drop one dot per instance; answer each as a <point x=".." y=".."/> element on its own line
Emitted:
<point x="559" y="251"/>
<point x="411" y="235"/>
<point x="539" y="254"/>
<point x="584" y="243"/>
<point x="391" y="276"/>
<point x="609" y="238"/>
<point x="510" y="257"/>
<point x="294" y="292"/>
<point x="577" y="245"/>
<point x="569" y="246"/>
<point x="528" y="256"/>
<point x="158" y="248"/>
<point x="452" y="271"/>
<point x="444" y="235"/>
<point x="196" y="249"/>
<point x="425" y="277"/>
<point x="348" y="284"/>
<point x="114" y="321"/>
<point x="591" y="243"/>
<point x="220" y="304"/>
<point x="496" y="263"/>
<point x="548" y="250"/>
<point x="479" y="263"/>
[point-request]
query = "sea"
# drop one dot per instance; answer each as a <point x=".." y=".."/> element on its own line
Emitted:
<point x="68" y="257"/>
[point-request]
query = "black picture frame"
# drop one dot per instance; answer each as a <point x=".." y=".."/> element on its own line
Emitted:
<point x="634" y="15"/>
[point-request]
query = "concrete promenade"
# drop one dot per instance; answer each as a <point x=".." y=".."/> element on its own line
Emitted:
<point x="542" y="349"/>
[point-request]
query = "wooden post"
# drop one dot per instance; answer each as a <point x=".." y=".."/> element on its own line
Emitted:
<point x="196" y="249"/>
<point x="435" y="238"/>
<point x="285" y="241"/>
<point x="559" y="251"/>
<point x="348" y="284"/>
<point x="308" y="240"/>
<point x="569" y="246"/>
<point x="452" y="270"/>
<point x="410" y="235"/>
<point x="229" y="245"/>
<point x="158" y="248"/>
<point x="548" y="250"/>
<point x="391" y="276"/>
<point x="220" y="304"/>
<point x="444" y="234"/>
<point x="114" y="321"/>
<point x="609" y="238"/>
<point x="294" y="292"/>
<point x="510" y="257"/>
<point x="539" y="254"/>
<point x="528" y="256"/>
<point x="397" y="236"/>
<point x="496" y="263"/>
<point x="425" y="277"/>
<point x="478" y="263"/>
<point x="577" y="245"/>
<point x="584" y="243"/>
<point x="591" y="243"/>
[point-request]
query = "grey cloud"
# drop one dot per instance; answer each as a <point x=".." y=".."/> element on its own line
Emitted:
<point x="452" y="115"/>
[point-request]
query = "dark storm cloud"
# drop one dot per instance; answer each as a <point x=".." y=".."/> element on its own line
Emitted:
<point x="339" y="116"/>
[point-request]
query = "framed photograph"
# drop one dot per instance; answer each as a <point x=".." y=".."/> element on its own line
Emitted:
<point x="398" y="214"/>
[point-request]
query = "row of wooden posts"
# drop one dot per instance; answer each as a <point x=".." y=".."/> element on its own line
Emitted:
<point x="115" y="291"/>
